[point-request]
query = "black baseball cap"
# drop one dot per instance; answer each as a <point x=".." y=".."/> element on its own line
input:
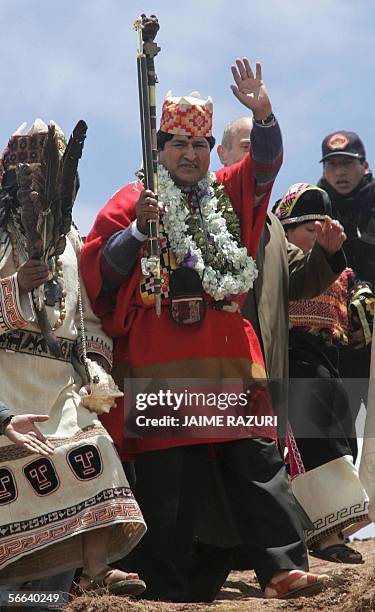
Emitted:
<point x="343" y="143"/>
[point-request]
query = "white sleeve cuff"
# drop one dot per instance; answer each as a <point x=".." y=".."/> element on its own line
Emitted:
<point x="136" y="233"/>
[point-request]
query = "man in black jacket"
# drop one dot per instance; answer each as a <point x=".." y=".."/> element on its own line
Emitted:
<point x="349" y="182"/>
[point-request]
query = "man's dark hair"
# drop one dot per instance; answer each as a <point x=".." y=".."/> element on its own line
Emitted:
<point x="163" y="137"/>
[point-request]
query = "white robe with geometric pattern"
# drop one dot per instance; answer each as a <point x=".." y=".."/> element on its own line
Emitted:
<point x="46" y="504"/>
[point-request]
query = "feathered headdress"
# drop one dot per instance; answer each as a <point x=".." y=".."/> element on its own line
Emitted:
<point x="47" y="183"/>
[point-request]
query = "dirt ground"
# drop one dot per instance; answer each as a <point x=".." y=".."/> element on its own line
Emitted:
<point x="351" y="588"/>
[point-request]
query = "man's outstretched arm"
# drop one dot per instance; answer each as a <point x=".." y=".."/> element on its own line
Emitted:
<point x="266" y="140"/>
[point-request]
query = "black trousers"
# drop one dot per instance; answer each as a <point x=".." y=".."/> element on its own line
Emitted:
<point x="320" y="415"/>
<point x="178" y="557"/>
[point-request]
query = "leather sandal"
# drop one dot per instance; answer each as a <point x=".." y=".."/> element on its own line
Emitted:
<point x="315" y="584"/>
<point x="338" y="553"/>
<point x="113" y="580"/>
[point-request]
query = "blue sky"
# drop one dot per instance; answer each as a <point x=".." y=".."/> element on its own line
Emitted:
<point x="72" y="59"/>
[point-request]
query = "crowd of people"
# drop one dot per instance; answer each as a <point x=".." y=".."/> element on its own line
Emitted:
<point x="281" y="302"/>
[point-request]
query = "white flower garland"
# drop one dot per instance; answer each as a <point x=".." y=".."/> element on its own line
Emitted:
<point x="218" y="285"/>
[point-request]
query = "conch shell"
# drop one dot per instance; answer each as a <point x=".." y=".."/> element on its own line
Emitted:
<point x="103" y="390"/>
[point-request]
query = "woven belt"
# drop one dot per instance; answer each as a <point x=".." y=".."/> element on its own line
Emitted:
<point x="32" y="343"/>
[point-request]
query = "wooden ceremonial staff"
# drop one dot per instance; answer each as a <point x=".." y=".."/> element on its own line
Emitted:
<point x="147" y="49"/>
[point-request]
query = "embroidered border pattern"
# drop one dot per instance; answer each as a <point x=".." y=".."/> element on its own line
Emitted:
<point x="113" y="505"/>
<point x="295" y="451"/>
<point x="10" y="315"/>
<point x="94" y="345"/>
<point x="117" y="494"/>
<point x="32" y="343"/>
<point x="342" y="518"/>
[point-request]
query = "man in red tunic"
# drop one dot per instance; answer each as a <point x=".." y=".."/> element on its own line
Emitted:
<point x="209" y="231"/>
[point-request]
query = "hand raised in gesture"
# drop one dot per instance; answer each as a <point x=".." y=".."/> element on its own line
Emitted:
<point x="330" y="235"/>
<point x="250" y="90"/>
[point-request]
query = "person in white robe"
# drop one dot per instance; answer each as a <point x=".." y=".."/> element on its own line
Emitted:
<point x="65" y="501"/>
